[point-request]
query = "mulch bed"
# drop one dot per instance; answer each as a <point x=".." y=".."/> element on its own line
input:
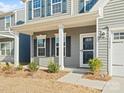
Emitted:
<point x="40" y="74"/>
<point x="101" y="77"/>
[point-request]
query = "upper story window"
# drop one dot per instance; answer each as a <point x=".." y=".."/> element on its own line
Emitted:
<point x="43" y="8"/>
<point x="29" y="10"/>
<point x="7" y="22"/>
<point x="37" y="8"/>
<point x="56" y="6"/>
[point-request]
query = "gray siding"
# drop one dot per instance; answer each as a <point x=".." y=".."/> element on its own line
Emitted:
<point x="113" y="17"/>
<point x="21" y="15"/>
<point x="74" y="60"/>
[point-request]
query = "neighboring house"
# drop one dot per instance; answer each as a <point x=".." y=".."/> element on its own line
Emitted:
<point x="7" y="37"/>
<point x="70" y="32"/>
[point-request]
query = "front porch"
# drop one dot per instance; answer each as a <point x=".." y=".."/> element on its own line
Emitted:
<point x="46" y="46"/>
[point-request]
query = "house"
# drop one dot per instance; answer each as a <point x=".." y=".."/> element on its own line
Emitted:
<point x="7" y="38"/>
<point x="70" y="32"/>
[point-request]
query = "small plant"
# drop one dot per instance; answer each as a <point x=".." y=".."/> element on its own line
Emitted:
<point x="53" y="67"/>
<point x="33" y="66"/>
<point x="20" y="67"/>
<point x="95" y="65"/>
<point x="7" y="67"/>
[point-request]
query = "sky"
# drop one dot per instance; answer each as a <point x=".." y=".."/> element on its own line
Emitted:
<point x="9" y="5"/>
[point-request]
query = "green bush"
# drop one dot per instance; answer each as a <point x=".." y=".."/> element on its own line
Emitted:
<point x="53" y="67"/>
<point x="95" y="65"/>
<point x="33" y="66"/>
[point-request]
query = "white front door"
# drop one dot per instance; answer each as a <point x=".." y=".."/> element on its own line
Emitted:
<point x="87" y="48"/>
<point x="118" y="54"/>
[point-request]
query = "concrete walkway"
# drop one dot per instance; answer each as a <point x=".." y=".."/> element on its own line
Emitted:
<point x="116" y="85"/>
<point x="76" y="78"/>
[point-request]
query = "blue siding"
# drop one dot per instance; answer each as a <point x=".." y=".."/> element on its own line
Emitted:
<point x="24" y="48"/>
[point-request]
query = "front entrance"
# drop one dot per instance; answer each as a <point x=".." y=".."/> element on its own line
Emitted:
<point x="87" y="48"/>
<point x="118" y="54"/>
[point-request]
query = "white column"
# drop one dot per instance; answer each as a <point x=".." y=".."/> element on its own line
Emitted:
<point x="61" y="46"/>
<point x="31" y="49"/>
<point x="16" y="50"/>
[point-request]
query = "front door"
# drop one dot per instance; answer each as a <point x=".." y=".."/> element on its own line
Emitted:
<point x="87" y="48"/>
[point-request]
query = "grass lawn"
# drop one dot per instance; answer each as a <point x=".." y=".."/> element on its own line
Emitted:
<point x="25" y="81"/>
<point x="29" y="85"/>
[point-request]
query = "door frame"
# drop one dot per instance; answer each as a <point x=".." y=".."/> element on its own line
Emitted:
<point x="81" y="46"/>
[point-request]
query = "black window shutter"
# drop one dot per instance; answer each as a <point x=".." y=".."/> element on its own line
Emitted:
<point x="35" y="47"/>
<point x="53" y="46"/>
<point x="47" y="47"/>
<point x="68" y="46"/>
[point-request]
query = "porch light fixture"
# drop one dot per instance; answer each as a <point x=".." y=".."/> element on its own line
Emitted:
<point x="103" y="32"/>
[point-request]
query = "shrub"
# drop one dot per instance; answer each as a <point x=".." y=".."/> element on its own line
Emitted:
<point x="53" y="67"/>
<point x="33" y="66"/>
<point x="95" y="65"/>
<point x="7" y="67"/>
<point x="20" y="67"/>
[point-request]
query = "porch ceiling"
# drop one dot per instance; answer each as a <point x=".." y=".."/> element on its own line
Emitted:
<point x="68" y="21"/>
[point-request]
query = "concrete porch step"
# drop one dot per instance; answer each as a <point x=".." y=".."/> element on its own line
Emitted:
<point x="77" y="70"/>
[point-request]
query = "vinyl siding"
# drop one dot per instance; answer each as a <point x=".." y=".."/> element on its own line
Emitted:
<point x="74" y="60"/>
<point x="113" y="17"/>
<point x="21" y="15"/>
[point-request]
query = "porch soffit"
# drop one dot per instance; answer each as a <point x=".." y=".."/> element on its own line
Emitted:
<point x="68" y="21"/>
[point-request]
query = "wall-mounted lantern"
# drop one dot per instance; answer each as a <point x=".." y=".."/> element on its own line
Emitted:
<point x="103" y="32"/>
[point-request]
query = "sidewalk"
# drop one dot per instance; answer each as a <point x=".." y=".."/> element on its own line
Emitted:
<point x="116" y="85"/>
<point x="76" y="78"/>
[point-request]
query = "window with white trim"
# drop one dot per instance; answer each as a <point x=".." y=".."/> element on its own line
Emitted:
<point x="56" y="6"/>
<point x="57" y="45"/>
<point x="7" y="22"/>
<point x="6" y="48"/>
<point x="41" y="45"/>
<point x="37" y="8"/>
<point x="119" y="36"/>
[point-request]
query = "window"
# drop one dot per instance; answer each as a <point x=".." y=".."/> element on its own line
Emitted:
<point x="119" y="36"/>
<point x="41" y="46"/>
<point x="6" y="48"/>
<point x="81" y="6"/>
<point x="56" y="6"/>
<point x="48" y="7"/>
<point x="43" y="8"/>
<point x="29" y="10"/>
<point x="57" y="45"/>
<point x="37" y="8"/>
<point x="7" y="22"/>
